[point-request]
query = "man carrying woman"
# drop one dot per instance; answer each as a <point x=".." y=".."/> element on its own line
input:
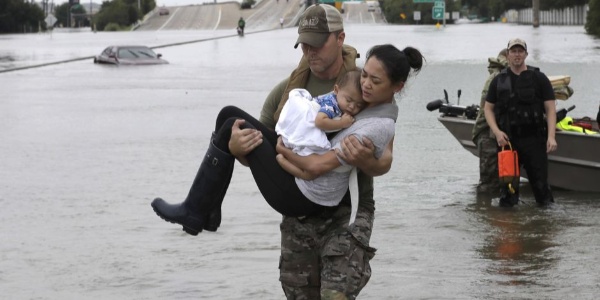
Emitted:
<point x="322" y="257"/>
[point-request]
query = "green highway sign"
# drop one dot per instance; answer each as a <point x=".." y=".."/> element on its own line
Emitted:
<point x="437" y="13"/>
<point x="439" y="4"/>
<point x="423" y="1"/>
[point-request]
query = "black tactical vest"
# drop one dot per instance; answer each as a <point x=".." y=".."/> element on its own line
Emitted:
<point x="520" y="108"/>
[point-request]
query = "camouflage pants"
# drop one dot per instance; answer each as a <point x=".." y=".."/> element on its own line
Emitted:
<point x="487" y="148"/>
<point x="323" y="258"/>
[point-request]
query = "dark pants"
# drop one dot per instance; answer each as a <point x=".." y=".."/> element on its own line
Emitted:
<point x="276" y="185"/>
<point x="533" y="157"/>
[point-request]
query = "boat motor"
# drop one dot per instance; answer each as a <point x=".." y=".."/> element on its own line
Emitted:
<point x="448" y="109"/>
<point x="561" y="114"/>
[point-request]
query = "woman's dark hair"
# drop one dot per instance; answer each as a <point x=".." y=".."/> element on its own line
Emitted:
<point x="397" y="63"/>
<point x="352" y="78"/>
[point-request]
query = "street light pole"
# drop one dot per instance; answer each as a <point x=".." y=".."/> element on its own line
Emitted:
<point x="536" y="13"/>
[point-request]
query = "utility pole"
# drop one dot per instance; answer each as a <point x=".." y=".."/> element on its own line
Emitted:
<point x="536" y="13"/>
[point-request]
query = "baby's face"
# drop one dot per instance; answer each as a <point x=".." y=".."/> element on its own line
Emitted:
<point x="350" y="100"/>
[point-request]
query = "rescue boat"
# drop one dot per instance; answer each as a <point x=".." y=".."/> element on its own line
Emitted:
<point x="575" y="165"/>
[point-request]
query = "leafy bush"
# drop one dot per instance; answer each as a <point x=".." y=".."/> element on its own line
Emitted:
<point x="112" y="27"/>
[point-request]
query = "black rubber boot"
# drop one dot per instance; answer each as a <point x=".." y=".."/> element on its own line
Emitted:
<point x="509" y="194"/>
<point x="543" y="195"/>
<point x="202" y="207"/>
<point x="508" y="201"/>
<point x="214" y="216"/>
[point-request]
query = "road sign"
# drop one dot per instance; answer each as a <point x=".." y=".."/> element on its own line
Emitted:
<point x="423" y="1"/>
<point x="439" y="4"/>
<point x="50" y="20"/>
<point x="438" y="13"/>
<point x="417" y="15"/>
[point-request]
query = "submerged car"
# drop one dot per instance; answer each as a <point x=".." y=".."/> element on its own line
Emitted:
<point x="129" y="55"/>
<point x="372" y="6"/>
<point x="163" y="11"/>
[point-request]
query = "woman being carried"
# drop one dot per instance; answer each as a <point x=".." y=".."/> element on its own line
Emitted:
<point x="385" y="73"/>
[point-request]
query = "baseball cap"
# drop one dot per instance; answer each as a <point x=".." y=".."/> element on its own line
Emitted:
<point x="316" y="23"/>
<point x="517" y="42"/>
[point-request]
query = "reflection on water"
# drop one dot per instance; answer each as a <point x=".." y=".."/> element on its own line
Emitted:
<point x="529" y="250"/>
<point x="519" y="240"/>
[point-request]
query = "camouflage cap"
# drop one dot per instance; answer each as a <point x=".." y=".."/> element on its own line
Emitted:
<point x="517" y="42"/>
<point x="316" y="23"/>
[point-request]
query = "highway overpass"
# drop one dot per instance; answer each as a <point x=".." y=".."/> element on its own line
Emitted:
<point x="263" y="16"/>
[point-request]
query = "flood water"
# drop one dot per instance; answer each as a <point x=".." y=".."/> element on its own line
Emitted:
<point x="85" y="148"/>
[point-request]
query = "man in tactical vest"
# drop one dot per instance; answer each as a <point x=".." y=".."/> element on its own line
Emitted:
<point x="520" y="108"/>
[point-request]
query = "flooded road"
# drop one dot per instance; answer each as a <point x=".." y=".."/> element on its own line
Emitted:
<point x="86" y="147"/>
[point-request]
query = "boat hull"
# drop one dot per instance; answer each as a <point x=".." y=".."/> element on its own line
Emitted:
<point x="575" y="165"/>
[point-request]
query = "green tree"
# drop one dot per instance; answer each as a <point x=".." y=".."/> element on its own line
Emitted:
<point x="483" y="9"/>
<point x="20" y="16"/>
<point x="559" y="4"/>
<point x="77" y="13"/>
<point x="113" y="12"/>
<point x="148" y="6"/>
<point x="495" y="10"/>
<point x="122" y="13"/>
<point x="61" y="12"/>
<point x="79" y="16"/>
<point x="392" y="9"/>
<point x="486" y="9"/>
<point x="592" y="24"/>
<point x="395" y="9"/>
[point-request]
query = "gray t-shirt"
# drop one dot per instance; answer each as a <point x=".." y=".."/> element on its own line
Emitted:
<point x="329" y="189"/>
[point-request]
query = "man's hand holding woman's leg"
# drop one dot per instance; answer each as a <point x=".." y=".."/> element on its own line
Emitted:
<point x="243" y="141"/>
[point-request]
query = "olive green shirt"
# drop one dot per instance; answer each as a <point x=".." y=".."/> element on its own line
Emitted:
<point x="494" y="67"/>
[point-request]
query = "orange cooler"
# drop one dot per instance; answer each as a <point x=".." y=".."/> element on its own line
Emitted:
<point x="508" y="164"/>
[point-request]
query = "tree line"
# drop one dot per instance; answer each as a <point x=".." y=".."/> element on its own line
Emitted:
<point x="22" y="16"/>
<point x="19" y="16"/>
<point x="399" y="11"/>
